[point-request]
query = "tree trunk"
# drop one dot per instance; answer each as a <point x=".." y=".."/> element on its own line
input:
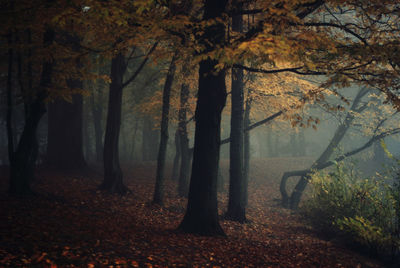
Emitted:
<point x="177" y="157"/>
<point x="246" y="163"/>
<point x="236" y="204"/>
<point x="86" y="134"/>
<point x="97" y="113"/>
<point x="10" y="134"/>
<point x="158" y="197"/>
<point x="24" y="157"/>
<point x="65" y="141"/>
<point x="112" y="170"/>
<point x="201" y="215"/>
<point x="183" y="182"/>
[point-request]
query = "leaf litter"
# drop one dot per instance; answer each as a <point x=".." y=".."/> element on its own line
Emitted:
<point x="69" y="223"/>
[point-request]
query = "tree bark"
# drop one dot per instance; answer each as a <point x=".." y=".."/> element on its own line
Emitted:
<point x="183" y="181"/>
<point x="87" y="141"/>
<point x="97" y="113"/>
<point x="177" y="157"/>
<point x="246" y="163"/>
<point x="65" y="122"/>
<point x="236" y="203"/>
<point x="112" y="170"/>
<point x="10" y="134"/>
<point x="24" y="157"/>
<point x="65" y="125"/>
<point x="201" y="215"/>
<point x="158" y="197"/>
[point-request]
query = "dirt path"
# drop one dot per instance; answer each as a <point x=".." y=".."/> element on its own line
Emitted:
<point x="69" y="223"/>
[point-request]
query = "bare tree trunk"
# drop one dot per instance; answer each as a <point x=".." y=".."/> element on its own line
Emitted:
<point x="246" y="163"/>
<point x="97" y="113"/>
<point x="177" y="157"/>
<point x="10" y="134"/>
<point x="183" y="182"/>
<point x="201" y="215"/>
<point x="24" y="157"/>
<point x="158" y="197"/>
<point x="112" y="170"/>
<point x="65" y="123"/>
<point x="237" y="196"/>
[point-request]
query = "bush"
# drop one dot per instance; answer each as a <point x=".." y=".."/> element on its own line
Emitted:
<point x="364" y="210"/>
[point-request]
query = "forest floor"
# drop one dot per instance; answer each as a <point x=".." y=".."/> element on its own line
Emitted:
<point x="69" y="223"/>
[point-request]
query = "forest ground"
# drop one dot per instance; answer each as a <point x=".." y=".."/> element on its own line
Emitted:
<point x="70" y="223"/>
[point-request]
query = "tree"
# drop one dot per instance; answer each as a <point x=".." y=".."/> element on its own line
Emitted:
<point x="201" y="215"/>
<point x="23" y="159"/>
<point x="183" y="181"/>
<point x="237" y="189"/>
<point x="112" y="171"/>
<point x="65" y="130"/>
<point x="158" y="197"/>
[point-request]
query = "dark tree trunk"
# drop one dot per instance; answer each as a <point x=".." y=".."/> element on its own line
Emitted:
<point x="158" y="197"/>
<point x="246" y="163"/>
<point x="220" y="180"/>
<point x="237" y="195"/>
<point x="10" y="134"/>
<point x="177" y="157"/>
<point x="183" y="182"/>
<point x="24" y="157"/>
<point x="86" y="134"/>
<point x="201" y="215"/>
<point x="236" y="205"/>
<point x="112" y="170"/>
<point x="65" y="141"/>
<point x="65" y="123"/>
<point x="97" y="113"/>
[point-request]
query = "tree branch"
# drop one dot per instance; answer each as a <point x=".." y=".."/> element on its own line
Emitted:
<point x="139" y="69"/>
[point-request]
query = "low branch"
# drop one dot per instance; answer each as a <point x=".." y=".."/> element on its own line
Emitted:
<point x="342" y="27"/>
<point x="259" y="123"/>
<point x="142" y="64"/>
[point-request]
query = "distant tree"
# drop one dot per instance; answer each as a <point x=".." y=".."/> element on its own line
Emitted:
<point x="237" y="184"/>
<point x="158" y="197"/>
<point x="183" y="181"/>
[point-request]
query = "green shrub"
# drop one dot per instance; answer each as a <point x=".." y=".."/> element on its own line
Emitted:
<point x="365" y="210"/>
